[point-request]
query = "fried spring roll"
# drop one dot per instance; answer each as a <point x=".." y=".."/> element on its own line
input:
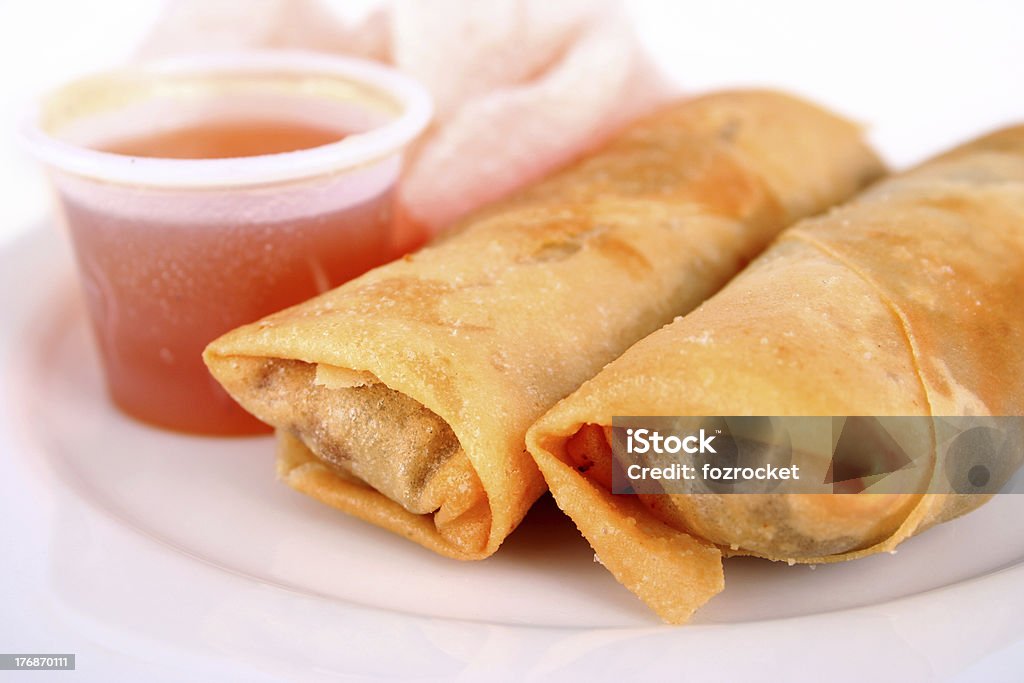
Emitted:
<point x="905" y="301"/>
<point x="404" y="396"/>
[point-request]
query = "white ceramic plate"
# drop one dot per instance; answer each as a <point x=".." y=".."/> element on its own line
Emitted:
<point x="186" y="550"/>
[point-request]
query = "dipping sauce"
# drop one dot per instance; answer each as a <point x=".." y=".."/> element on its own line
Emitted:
<point x="225" y="140"/>
<point x="159" y="291"/>
<point x="205" y="193"/>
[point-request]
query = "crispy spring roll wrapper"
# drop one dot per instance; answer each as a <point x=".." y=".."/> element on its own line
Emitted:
<point x="905" y="301"/>
<point x="406" y="394"/>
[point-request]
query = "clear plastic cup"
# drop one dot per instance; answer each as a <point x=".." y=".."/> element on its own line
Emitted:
<point x="173" y="252"/>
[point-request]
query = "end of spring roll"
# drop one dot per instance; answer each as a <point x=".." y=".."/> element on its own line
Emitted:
<point x="404" y="396"/>
<point x="904" y="302"/>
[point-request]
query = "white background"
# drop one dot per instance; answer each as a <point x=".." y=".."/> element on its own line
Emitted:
<point x="921" y="75"/>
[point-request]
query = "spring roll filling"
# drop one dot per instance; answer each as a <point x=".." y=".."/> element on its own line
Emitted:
<point x="357" y="426"/>
<point x="801" y="525"/>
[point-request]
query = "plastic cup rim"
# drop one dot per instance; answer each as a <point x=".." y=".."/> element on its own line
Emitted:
<point x="350" y="152"/>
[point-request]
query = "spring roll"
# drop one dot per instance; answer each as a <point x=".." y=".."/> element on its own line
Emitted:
<point x="404" y="396"/>
<point x="905" y="301"/>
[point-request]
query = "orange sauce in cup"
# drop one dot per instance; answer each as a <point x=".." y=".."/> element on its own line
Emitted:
<point x="226" y="139"/>
<point x="159" y="291"/>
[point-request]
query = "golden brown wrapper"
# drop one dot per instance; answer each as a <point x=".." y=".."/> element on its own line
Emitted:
<point x="421" y="377"/>
<point x="905" y="301"/>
